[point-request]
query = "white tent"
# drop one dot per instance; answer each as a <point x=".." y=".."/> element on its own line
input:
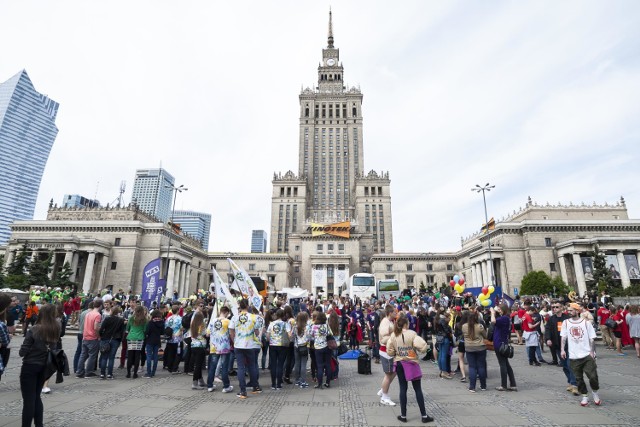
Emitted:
<point x="294" y="293"/>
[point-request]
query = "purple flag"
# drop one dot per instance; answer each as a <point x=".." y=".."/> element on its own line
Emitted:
<point x="151" y="286"/>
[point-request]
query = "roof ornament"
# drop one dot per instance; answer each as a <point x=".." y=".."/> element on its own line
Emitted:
<point x="330" y="38"/>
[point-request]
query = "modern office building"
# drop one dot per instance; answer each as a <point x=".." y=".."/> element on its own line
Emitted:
<point x="195" y="224"/>
<point x="27" y="133"/>
<point x="258" y="241"/>
<point x="330" y="216"/>
<point x="78" y="201"/>
<point x="152" y="192"/>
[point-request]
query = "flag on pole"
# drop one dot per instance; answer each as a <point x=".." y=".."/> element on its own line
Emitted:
<point x="223" y="293"/>
<point x="245" y="283"/>
<point x="491" y="226"/>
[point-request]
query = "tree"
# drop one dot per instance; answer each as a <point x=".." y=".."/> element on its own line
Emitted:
<point x="39" y="270"/>
<point x="16" y="276"/>
<point x="423" y="288"/>
<point x="536" y="283"/>
<point x="1" y="271"/>
<point x="602" y="278"/>
<point x="559" y="287"/>
<point x="63" y="278"/>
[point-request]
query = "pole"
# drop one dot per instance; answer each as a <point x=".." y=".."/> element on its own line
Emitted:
<point x="175" y="194"/>
<point x="486" y="219"/>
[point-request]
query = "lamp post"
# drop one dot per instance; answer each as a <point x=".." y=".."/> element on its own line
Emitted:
<point x="484" y="189"/>
<point x="175" y="190"/>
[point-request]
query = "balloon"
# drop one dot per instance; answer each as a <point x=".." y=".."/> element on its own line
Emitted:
<point x="485" y="290"/>
<point x="486" y="303"/>
<point x="452" y="283"/>
<point x="438" y="295"/>
<point x="482" y="297"/>
<point x="491" y="289"/>
<point x="461" y="281"/>
<point x="458" y="288"/>
<point x="456" y="278"/>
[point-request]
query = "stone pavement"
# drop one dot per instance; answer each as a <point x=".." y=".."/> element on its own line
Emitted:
<point x="169" y="401"/>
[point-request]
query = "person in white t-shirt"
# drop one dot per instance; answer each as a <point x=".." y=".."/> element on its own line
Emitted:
<point x="580" y="336"/>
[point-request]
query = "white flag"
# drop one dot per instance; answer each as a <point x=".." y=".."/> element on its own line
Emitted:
<point x="245" y="283"/>
<point x="223" y="293"/>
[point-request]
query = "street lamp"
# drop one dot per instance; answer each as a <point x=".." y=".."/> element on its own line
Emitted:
<point x="486" y="188"/>
<point x="175" y="190"/>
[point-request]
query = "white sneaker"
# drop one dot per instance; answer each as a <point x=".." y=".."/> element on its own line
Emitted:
<point x="387" y="401"/>
<point x="585" y="401"/>
<point x="210" y="389"/>
<point x="596" y="399"/>
<point x="227" y="389"/>
<point x="380" y="393"/>
<point x="46" y="390"/>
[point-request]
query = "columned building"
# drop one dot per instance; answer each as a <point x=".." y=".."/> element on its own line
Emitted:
<point x="330" y="216"/>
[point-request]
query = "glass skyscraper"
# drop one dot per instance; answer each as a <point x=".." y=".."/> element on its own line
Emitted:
<point x="258" y="241"/>
<point x="27" y="132"/>
<point x="195" y="224"/>
<point x="78" y="201"/>
<point x="151" y="194"/>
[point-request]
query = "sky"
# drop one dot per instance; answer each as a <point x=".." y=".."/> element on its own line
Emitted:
<point x="539" y="98"/>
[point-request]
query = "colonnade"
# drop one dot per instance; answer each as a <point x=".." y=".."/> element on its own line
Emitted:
<point x="178" y="278"/>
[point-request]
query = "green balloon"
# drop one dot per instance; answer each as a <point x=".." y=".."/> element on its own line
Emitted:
<point x="438" y="295"/>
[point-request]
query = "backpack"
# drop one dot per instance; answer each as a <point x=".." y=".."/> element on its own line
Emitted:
<point x="186" y="320"/>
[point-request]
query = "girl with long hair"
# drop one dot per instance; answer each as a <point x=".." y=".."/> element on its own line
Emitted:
<point x="474" y="334"/>
<point x="278" y="335"/>
<point x="111" y="331"/>
<point x="198" y="345"/>
<point x="290" y="356"/>
<point x="403" y="346"/>
<point x="41" y="338"/>
<point x="462" y="319"/>
<point x="301" y="343"/>
<point x="135" y="339"/>
<point x="320" y="332"/>
<point x="500" y="317"/>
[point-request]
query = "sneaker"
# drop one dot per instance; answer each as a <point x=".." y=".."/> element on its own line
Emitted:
<point x="103" y="377"/>
<point x="128" y="375"/>
<point x="210" y="389"/>
<point x="304" y="385"/>
<point x="146" y="376"/>
<point x="427" y="419"/>
<point x="241" y="395"/>
<point x="227" y="389"/>
<point x="91" y="375"/>
<point x="387" y="401"/>
<point x="585" y="401"/>
<point x="256" y="390"/>
<point x="217" y="380"/>
<point x="46" y="390"/>
<point x="135" y="375"/>
<point x="569" y="388"/>
<point x="177" y="371"/>
<point x="273" y="387"/>
<point x="379" y="393"/>
<point x="596" y="399"/>
<point x="575" y="391"/>
<point x="109" y="377"/>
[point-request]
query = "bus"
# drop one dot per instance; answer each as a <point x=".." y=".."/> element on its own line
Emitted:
<point x="388" y="288"/>
<point x="361" y="285"/>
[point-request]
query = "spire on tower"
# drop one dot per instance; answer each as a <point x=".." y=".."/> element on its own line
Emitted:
<point x="330" y="39"/>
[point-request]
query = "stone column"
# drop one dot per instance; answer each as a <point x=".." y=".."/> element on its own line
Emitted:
<point x="53" y="266"/>
<point x="563" y="269"/>
<point x="181" y="280"/>
<point x="88" y="273"/>
<point x="170" y="276"/>
<point x="487" y="274"/>
<point x="624" y="272"/>
<point x="68" y="257"/>
<point x="10" y="256"/>
<point x="577" y="265"/>
<point x="74" y="265"/>
<point x="103" y="271"/>
<point x="474" y="274"/>
<point x="187" y="280"/>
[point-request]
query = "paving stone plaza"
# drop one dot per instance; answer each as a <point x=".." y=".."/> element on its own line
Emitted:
<point x="168" y="400"/>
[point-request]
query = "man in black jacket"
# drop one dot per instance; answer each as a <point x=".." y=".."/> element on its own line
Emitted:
<point x="552" y="337"/>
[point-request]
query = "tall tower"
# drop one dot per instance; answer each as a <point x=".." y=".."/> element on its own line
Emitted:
<point x="27" y="133"/>
<point x="152" y="192"/>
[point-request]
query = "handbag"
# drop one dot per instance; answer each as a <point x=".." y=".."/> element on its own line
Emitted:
<point x="168" y="332"/>
<point x="303" y="351"/>
<point x="332" y="343"/>
<point x="105" y="346"/>
<point x="610" y="323"/>
<point x="506" y="350"/>
<point x="342" y="349"/>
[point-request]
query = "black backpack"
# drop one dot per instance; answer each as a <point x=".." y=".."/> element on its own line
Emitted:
<point x="186" y="320"/>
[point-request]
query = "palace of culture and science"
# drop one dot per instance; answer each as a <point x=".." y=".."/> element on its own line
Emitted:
<point x="330" y="219"/>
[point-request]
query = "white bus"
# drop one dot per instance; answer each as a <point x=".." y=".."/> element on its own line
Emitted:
<point x="361" y="285"/>
<point x="388" y="288"/>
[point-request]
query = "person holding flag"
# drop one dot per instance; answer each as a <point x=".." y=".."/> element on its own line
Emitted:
<point x="245" y="329"/>
<point x="246" y="285"/>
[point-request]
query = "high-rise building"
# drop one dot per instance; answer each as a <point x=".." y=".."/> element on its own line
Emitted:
<point x="27" y="132"/>
<point x="331" y="216"/>
<point x="195" y="224"/>
<point x="78" y="201"/>
<point x="152" y="192"/>
<point x="258" y="241"/>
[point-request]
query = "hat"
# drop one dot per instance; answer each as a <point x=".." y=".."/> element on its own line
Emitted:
<point x="575" y="306"/>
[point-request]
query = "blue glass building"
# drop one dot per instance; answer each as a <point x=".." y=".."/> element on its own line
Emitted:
<point x="258" y="241"/>
<point x="151" y="192"/>
<point x="27" y="132"/>
<point x="78" y="201"/>
<point x="195" y="224"/>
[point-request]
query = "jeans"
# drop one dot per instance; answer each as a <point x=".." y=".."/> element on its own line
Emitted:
<point x="505" y="371"/>
<point x="214" y="360"/>
<point x="76" y="357"/>
<point x="586" y="365"/>
<point x="152" y="357"/>
<point x="300" y="366"/>
<point x="277" y="356"/>
<point x="89" y="355"/>
<point x="245" y="357"/>
<point x="477" y="366"/>
<point x="265" y="351"/>
<point x="289" y="360"/>
<point x="197" y="357"/>
<point x="31" y="382"/>
<point x="571" y="379"/>
<point x="107" y="359"/>
<point x="323" y="363"/>
<point x="443" y="352"/>
<point x="417" y="388"/>
<point x="255" y="362"/>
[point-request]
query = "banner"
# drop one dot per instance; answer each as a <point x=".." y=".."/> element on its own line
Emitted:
<point x="614" y="268"/>
<point x="339" y="229"/>
<point x="152" y="287"/>
<point x="223" y="293"/>
<point x="632" y="266"/>
<point x="587" y="268"/>
<point x="246" y="285"/>
<point x="319" y="279"/>
<point x="341" y="279"/>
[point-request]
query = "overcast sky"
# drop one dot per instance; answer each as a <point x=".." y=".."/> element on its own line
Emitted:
<point x="540" y="98"/>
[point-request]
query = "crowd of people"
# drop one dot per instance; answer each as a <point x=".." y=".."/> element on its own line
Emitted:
<point x="213" y="343"/>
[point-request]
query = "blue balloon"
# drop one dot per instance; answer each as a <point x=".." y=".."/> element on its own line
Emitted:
<point x="456" y="278"/>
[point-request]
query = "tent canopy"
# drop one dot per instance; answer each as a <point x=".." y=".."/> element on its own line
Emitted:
<point x="294" y="292"/>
